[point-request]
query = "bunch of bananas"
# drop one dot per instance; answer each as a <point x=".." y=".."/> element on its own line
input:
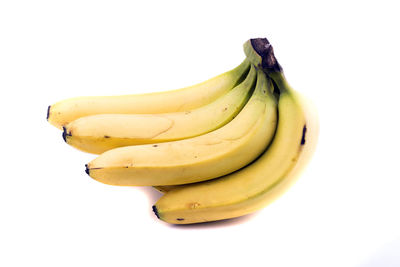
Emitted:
<point x="219" y="149"/>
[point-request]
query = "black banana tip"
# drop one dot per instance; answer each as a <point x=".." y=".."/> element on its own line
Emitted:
<point x="64" y="134"/>
<point x="303" y="137"/>
<point x="48" y="112"/>
<point x="156" y="211"/>
<point x="87" y="170"/>
<point x="264" y="49"/>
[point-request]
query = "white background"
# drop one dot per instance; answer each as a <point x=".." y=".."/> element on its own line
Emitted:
<point x="344" y="55"/>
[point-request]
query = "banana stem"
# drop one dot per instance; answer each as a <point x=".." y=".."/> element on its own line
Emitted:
<point x="280" y="82"/>
<point x="260" y="53"/>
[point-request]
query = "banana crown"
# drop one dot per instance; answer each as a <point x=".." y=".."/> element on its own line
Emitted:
<point x="270" y="175"/>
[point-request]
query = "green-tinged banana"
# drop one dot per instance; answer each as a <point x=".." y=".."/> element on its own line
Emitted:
<point x="66" y="111"/>
<point x="251" y="188"/>
<point x="195" y="159"/>
<point x="99" y="133"/>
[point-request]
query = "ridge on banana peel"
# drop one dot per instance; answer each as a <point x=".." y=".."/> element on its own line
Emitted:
<point x="258" y="184"/>
<point x="99" y="133"/>
<point x="195" y="159"/>
<point x="68" y="110"/>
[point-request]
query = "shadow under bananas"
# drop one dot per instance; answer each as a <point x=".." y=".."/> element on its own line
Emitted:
<point x="152" y="194"/>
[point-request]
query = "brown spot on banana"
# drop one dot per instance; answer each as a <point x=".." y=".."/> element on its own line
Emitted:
<point x="193" y="205"/>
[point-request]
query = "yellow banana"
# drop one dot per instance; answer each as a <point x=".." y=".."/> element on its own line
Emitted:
<point x="251" y="188"/>
<point x="99" y="133"/>
<point x="196" y="159"/>
<point x="66" y="111"/>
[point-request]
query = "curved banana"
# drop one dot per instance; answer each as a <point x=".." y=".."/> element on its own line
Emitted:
<point x="256" y="185"/>
<point x="99" y="133"/>
<point x="63" y="112"/>
<point x="196" y="159"/>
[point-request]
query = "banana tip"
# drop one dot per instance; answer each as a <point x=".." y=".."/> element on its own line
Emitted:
<point x="87" y="170"/>
<point x="48" y="112"/>
<point x="65" y="134"/>
<point x="156" y="211"/>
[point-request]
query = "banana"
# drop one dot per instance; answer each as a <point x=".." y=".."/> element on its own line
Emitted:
<point x="66" y="111"/>
<point x="99" y="133"/>
<point x="251" y="188"/>
<point x="195" y="159"/>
